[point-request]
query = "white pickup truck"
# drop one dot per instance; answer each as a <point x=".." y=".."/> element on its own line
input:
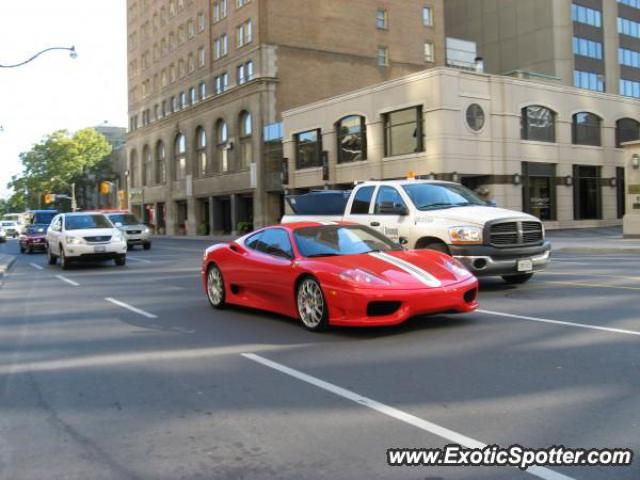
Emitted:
<point x="443" y="216"/>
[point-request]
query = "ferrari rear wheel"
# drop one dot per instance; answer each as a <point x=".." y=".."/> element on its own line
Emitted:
<point x="312" y="307"/>
<point x="215" y="287"/>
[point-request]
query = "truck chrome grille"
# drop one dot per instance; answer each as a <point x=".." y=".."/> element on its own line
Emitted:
<point x="507" y="234"/>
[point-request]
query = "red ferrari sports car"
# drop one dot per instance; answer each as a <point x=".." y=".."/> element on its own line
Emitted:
<point x="335" y="274"/>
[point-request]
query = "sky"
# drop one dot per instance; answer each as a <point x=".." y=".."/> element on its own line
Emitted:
<point x="54" y="91"/>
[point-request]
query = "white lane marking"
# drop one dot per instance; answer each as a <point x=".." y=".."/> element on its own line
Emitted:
<point x="561" y="322"/>
<point x="449" y="435"/>
<point x="416" y="272"/>
<point x="136" y="259"/>
<point x="65" y="279"/>
<point x="36" y="266"/>
<point x="130" y="307"/>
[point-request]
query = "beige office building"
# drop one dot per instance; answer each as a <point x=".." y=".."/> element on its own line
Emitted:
<point x="208" y="80"/>
<point x="591" y="44"/>
<point x="539" y="146"/>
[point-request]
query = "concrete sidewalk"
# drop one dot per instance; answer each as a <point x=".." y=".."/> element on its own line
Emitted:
<point x="6" y="261"/>
<point x="593" y="240"/>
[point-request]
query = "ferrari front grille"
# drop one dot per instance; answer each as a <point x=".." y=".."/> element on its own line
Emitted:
<point x="381" y="309"/>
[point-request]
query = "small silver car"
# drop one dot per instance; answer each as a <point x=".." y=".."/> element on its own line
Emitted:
<point x="135" y="232"/>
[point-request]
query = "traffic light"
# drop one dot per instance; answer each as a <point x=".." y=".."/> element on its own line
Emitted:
<point x="49" y="198"/>
<point x="105" y="188"/>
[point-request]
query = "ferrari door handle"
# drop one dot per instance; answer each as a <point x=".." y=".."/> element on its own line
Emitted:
<point x="375" y="224"/>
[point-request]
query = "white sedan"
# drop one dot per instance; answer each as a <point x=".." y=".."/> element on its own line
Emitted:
<point x="74" y="237"/>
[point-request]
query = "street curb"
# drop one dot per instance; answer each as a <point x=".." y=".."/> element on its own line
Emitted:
<point x="598" y="250"/>
<point x="6" y="262"/>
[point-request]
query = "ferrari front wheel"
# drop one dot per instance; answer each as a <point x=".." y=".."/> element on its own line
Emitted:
<point x="215" y="287"/>
<point x="312" y="307"/>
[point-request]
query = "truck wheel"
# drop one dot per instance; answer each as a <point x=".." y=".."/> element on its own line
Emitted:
<point x="434" y="245"/>
<point x="147" y="246"/>
<point x="517" y="279"/>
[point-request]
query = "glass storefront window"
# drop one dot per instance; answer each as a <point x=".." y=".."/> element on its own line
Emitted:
<point x="587" y="193"/>
<point x="403" y="132"/>
<point x="539" y="190"/>
<point x="351" y="132"/>
<point x="538" y="123"/>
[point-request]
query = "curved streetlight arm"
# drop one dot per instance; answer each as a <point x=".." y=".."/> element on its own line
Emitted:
<point x="72" y="54"/>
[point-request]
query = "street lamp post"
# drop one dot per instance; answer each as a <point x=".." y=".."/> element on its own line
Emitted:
<point x="71" y="50"/>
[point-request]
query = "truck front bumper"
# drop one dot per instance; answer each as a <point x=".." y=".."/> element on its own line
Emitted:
<point x="483" y="260"/>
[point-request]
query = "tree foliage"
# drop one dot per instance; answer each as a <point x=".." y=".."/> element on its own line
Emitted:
<point x="59" y="160"/>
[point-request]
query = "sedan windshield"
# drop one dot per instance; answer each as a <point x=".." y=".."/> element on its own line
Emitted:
<point x="124" y="219"/>
<point x="81" y="222"/>
<point x="331" y="240"/>
<point x="432" y="196"/>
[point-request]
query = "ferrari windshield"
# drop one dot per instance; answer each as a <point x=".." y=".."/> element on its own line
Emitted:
<point x="332" y="240"/>
<point x="432" y="196"/>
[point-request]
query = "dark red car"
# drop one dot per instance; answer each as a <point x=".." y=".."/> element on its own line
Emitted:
<point x="34" y="238"/>
<point x="335" y="274"/>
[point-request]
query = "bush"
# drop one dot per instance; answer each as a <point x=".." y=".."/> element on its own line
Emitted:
<point x="244" y="227"/>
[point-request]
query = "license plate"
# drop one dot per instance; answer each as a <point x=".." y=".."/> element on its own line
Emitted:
<point x="99" y="249"/>
<point x="525" y="265"/>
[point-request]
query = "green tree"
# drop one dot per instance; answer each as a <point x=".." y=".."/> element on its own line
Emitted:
<point x="55" y="163"/>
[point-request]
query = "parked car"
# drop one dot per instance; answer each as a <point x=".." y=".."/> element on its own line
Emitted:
<point x="76" y="237"/>
<point x="342" y="274"/>
<point x="437" y="215"/>
<point x="11" y="228"/>
<point x="34" y="238"/>
<point x="133" y="229"/>
<point x="3" y="235"/>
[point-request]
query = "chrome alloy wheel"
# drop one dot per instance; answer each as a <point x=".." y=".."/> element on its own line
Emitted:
<point x="311" y="306"/>
<point x="215" y="286"/>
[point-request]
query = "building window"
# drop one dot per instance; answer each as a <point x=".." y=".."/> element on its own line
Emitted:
<point x="191" y="63"/>
<point x="586" y="129"/>
<point x="475" y="117"/>
<point x="428" y="52"/>
<point x="308" y="149"/>
<point x="219" y="10"/>
<point x="133" y="169"/>
<point x="201" y="152"/>
<point x="244" y="34"/>
<point x="587" y="193"/>
<point x="240" y="74"/>
<point x="351" y="133"/>
<point x="539" y="189"/>
<point x="221" y="46"/>
<point x="627" y="130"/>
<point x="382" y="19"/>
<point x="630" y="58"/>
<point x="201" y="57"/>
<point x="427" y="16"/>
<point x="222" y="137"/>
<point x="193" y="95"/>
<point x="249" y="70"/>
<point x="586" y="15"/>
<point x="161" y="164"/>
<point x="241" y="3"/>
<point x="587" y="48"/>
<point x="246" y="139"/>
<point x="180" y="157"/>
<point x="202" y="87"/>
<point x="184" y="102"/>
<point x="628" y="27"/>
<point x="174" y="104"/>
<point x="630" y="3"/>
<point x="383" y="56"/>
<point x="222" y="83"/>
<point x="146" y="166"/>
<point x="629" y="88"/>
<point x="201" y="22"/>
<point x="588" y="80"/>
<point x="191" y="30"/>
<point x="538" y="123"/>
<point x="403" y="132"/>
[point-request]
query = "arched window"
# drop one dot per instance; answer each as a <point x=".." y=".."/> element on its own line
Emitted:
<point x="201" y="152"/>
<point x="627" y="130"/>
<point x="586" y="129"/>
<point x="222" y="137"/>
<point x="147" y="166"/>
<point x="133" y="167"/>
<point x="352" y="139"/>
<point x="538" y="123"/>
<point x="180" y="157"/>
<point x="246" y="138"/>
<point x="161" y="164"/>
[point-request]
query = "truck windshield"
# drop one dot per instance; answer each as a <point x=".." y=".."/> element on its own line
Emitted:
<point x="433" y="196"/>
<point x="332" y="240"/>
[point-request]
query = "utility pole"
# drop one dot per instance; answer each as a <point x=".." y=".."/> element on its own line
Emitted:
<point x="74" y="204"/>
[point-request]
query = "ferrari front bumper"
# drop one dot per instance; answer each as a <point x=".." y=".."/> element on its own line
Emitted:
<point x="369" y="307"/>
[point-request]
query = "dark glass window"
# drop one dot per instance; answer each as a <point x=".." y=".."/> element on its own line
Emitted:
<point x="308" y="149"/>
<point x="539" y="190"/>
<point x="538" y="123"/>
<point x="620" y="197"/>
<point x="388" y="195"/>
<point x="475" y="117"/>
<point x="627" y="130"/>
<point x="587" y="193"/>
<point x="253" y="241"/>
<point x="586" y="129"/>
<point x="361" y="201"/>
<point x="275" y="241"/>
<point x="403" y="132"/>
<point x="352" y="139"/>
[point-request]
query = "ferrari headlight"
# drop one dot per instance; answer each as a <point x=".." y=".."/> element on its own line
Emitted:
<point x="465" y="235"/>
<point x="457" y="268"/>
<point x="361" y="277"/>
<point x="75" y="240"/>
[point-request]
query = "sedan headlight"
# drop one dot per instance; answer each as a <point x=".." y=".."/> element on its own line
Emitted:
<point x="146" y="230"/>
<point x="465" y="235"/>
<point x="359" y="277"/>
<point x="75" y="240"/>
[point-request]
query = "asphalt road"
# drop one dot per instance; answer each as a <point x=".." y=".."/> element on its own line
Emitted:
<point x="127" y="373"/>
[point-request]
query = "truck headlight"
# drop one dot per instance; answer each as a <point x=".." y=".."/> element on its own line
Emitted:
<point x="465" y="235"/>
